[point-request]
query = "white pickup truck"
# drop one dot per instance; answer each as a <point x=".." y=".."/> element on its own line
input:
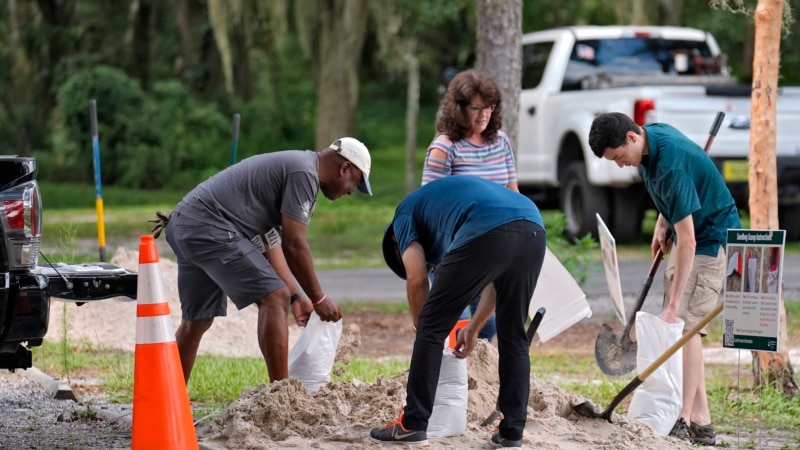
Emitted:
<point x="654" y="74"/>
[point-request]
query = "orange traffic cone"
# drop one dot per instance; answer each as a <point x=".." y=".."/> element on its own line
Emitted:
<point x="162" y="416"/>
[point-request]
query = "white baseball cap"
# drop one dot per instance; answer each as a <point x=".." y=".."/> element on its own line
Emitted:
<point x="356" y="152"/>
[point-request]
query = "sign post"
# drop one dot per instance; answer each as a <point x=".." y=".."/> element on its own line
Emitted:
<point x="751" y="316"/>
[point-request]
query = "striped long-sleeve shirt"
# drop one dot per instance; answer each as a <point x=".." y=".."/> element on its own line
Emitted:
<point x="494" y="160"/>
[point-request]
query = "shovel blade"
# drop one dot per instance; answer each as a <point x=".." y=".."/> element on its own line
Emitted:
<point x="492" y="417"/>
<point x="615" y="353"/>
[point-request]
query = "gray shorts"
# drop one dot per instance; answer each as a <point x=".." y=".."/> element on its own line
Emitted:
<point x="214" y="264"/>
<point x="702" y="288"/>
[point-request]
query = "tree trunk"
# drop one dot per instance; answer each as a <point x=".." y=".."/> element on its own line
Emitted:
<point x="768" y="368"/>
<point x="412" y="114"/>
<point x="670" y="12"/>
<point x="648" y="12"/>
<point x="140" y="41"/>
<point x="240" y="36"/>
<point x="57" y="16"/>
<point x="199" y="65"/>
<point x="218" y="16"/>
<point x="747" y="55"/>
<point x="499" y="52"/>
<point x="342" y="28"/>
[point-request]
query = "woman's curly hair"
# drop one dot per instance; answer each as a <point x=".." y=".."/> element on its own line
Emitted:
<point x="454" y="121"/>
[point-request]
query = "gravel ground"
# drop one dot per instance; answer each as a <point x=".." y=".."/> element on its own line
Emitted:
<point x="30" y="418"/>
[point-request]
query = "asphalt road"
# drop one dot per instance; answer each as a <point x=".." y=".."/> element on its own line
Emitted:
<point x="381" y="285"/>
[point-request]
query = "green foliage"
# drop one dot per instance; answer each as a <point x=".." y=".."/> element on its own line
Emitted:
<point x="577" y="257"/>
<point x="282" y="116"/>
<point x="369" y="370"/>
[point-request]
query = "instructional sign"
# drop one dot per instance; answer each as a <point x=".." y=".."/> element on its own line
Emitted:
<point x="751" y="315"/>
<point x="611" y="267"/>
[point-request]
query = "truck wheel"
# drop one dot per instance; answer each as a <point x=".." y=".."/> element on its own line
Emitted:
<point x="580" y="201"/>
<point x="789" y="220"/>
<point x="627" y="213"/>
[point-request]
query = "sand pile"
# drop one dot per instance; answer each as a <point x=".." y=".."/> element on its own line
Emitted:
<point x="340" y="415"/>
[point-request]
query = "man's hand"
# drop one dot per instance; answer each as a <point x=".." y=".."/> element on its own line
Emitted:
<point x="301" y="310"/>
<point x="670" y="313"/>
<point x="466" y="341"/>
<point x="328" y="310"/>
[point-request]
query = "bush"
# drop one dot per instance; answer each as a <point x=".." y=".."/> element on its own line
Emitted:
<point x="119" y="102"/>
<point x="173" y="142"/>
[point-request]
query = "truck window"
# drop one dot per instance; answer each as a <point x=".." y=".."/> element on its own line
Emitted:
<point x="641" y="55"/>
<point x="534" y="60"/>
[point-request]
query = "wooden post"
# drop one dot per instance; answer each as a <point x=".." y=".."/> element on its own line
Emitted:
<point x="768" y="368"/>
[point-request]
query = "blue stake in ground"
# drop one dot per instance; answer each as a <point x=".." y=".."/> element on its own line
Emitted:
<point x="98" y="184"/>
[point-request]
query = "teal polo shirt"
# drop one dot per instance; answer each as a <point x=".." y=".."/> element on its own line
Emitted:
<point x="682" y="180"/>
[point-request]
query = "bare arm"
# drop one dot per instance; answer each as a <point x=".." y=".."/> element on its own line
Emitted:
<point x="298" y="257"/>
<point x="468" y="337"/>
<point x="301" y="309"/>
<point x="660" y="237"/>
<point x="417" y="284"/>
<point x="684" y="259"/>
<point x="436" y="160"/>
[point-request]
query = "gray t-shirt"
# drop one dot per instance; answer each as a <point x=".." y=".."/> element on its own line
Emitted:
<point x="252" y="195"/>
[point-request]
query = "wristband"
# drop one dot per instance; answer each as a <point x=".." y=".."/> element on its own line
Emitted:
<point x="324" y="297"/>
<point x="294" y="297"/>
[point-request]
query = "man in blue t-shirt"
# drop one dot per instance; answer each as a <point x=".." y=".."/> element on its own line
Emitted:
<point x="694" y="202"/>
<point x="474" y="232"/>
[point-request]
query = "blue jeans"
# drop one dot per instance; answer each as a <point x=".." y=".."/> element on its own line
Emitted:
<point x="489" y="329"/>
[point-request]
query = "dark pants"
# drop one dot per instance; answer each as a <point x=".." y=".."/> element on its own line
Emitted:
<point x="511" y="256"/>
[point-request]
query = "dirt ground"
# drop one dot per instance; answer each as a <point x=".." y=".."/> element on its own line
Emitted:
<point x="339" y="416"/>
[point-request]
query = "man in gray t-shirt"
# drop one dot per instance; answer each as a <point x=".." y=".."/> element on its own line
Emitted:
<point x="241" y="234"/>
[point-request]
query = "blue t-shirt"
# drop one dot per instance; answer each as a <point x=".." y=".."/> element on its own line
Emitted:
<point x="450" y="212"/>
<point x="682" y="180"/>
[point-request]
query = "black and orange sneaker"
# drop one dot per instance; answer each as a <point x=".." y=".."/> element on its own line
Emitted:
<point x="396" y="433"/>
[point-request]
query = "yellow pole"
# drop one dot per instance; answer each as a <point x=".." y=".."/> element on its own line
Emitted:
<point x="101" y="229"/>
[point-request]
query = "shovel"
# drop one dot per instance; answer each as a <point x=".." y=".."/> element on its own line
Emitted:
<point x="616" y="353"/>
<point x="587" y="409"/>
<point x="534" y="325"/>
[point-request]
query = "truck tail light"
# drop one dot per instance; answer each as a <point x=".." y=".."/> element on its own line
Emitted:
<point x="643" y="111"/>
<point x="21" y="223"/>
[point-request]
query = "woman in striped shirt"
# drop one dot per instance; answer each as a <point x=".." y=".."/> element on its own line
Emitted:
<point x="469" y="141"/>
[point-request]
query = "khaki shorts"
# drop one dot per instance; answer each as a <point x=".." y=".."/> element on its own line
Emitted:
<point x="702" y="288"/>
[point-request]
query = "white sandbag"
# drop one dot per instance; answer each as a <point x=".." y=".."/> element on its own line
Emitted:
<point x="658" y="400"/>
<point x="449" y="414"/>
<point x="311" y="358"/>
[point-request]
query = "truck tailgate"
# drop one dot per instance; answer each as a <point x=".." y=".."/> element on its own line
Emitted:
<point x="691" y="109"/>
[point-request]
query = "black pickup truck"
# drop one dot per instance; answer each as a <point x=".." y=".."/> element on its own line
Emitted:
<point x="26" y="288"/>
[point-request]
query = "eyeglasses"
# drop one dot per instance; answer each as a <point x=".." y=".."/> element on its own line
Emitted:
<point x="474" y="110"/>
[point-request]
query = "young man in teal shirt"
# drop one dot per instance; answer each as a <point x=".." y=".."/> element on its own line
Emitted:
<point x="694" y="202"/>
